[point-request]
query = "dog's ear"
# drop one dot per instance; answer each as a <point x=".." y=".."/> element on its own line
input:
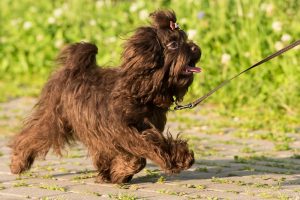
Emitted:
<point x="142" y="50"/>
<point x="142" y="62"/>
<point x="161" y="19"/>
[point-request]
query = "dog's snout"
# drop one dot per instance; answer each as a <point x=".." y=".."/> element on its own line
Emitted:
<point x="195" y="51"/>
<point x="194" y="48"/>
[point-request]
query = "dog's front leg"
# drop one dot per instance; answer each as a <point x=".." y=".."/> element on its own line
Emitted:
<point x="172" y="155"/>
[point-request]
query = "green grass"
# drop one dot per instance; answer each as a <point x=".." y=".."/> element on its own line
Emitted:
<point x="199" y="187"/>
<point x="53" y="187"/>
<point x="232" y="35"/>
<point x="282" y="146"/>
<point x="201" y="169"/>
<point x="161" y="180"/>
<point x="296" y="156"/>
<point x="170" y="192"/>
<point x="74" y="155"/>
<point x="265" y="161"/>
<point x="85" y="176"/>
<point x="123" y="196"/>
<point x="243" y="183"/>
<point x="247" y="150"/>
<point x="152" y="173"/>
<point x="2" y="187"/>
<point x="21" y="184"/>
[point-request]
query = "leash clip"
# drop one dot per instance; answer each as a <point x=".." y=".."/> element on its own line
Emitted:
<point x="180" y="107"/>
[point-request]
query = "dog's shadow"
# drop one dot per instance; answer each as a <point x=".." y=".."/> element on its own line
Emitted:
<point x="204" y="169"/>
<point x="230" y="168"/>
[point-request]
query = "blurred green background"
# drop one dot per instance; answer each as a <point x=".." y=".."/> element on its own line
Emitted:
<point x="233" y="34"/>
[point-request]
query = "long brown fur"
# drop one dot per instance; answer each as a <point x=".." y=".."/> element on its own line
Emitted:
<point x="119" y="114"/>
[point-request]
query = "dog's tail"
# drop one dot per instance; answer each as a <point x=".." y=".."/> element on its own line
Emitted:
<point x="79" y="56"/>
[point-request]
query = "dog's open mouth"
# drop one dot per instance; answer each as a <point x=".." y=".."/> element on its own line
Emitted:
<point x="190" y="69"/>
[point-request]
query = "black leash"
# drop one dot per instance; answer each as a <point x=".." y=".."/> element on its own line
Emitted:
<point x="196" y="102"/>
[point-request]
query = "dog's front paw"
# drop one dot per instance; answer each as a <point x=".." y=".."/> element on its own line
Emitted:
<point x="181" y="157"/>
<point x="185" y="161"/>
<point x="180" y="164"/>
<point x="189" y="160"/>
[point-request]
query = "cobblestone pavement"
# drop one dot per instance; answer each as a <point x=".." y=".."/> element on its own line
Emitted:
<point x="228" y="165"/>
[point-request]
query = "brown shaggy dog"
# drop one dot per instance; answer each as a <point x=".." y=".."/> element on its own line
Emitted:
<point x="119" y="114"/>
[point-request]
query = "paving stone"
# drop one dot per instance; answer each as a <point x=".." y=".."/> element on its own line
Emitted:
<point x="224" y="195"/>
<point x="4" y="167"/>
<point x="11" y="197"/>
<point x="37" y="182"/>
<point x="29" y="192"/>
<point x="76" y="196"/>
<point x="7" y="177"/>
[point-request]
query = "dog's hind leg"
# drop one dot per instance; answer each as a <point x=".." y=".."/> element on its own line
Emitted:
<point x="102" y="161"/>
<point x="116" y="167"/>
<point x="124" y="166"/>
<point x="31" y="142"/>
<point x="38" y="136"/>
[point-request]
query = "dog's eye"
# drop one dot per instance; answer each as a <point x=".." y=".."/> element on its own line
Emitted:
<point x="172" y="45"/>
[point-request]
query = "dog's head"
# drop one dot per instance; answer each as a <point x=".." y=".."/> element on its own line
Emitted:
<point x="161" y="60"/>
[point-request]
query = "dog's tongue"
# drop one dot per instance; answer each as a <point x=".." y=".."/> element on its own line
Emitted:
<point x="193" y="69"/>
